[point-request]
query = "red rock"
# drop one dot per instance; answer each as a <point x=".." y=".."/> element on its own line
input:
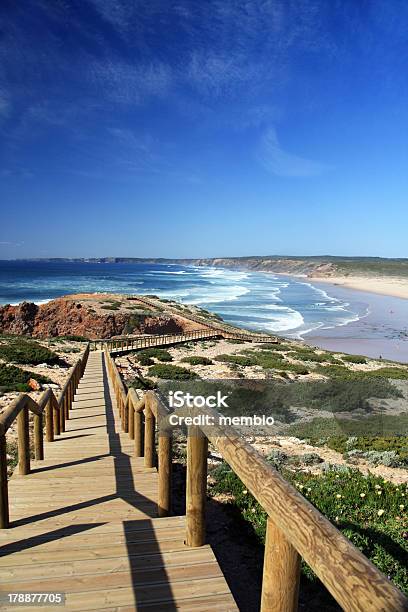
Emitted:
<point x="76" y="315"/>
<point x="34" y="384"/>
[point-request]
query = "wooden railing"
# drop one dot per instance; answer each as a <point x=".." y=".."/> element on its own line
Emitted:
<point x="227" y="331"/>
<point x="295" y="528"/>
<point x="56" y="412"/>
<point x="129" y="343"/>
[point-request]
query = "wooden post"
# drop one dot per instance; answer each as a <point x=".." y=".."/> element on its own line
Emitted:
<point x="131" y="418"/>
<point x="125" y="413"/>
<point x="281" y="572"/>
<point x="149" y="437"/>
<point x="4" y="506"/>
<point x="197" y="448"/>
<point x="38" y="437"/>
<point x="67" y="401"/>
<point x="62" y="411"/>
<point x="138" y="434"/>
<point x="164" y="497"/>
<point x="49" y="422"/>
<point x="56" y="417"/>
<point x="23" y="442"/>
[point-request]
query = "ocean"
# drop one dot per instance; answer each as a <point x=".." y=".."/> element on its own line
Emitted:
<point x="258" y="301"/>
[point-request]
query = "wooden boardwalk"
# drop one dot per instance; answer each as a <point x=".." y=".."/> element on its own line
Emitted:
<point x="84" y="522"/>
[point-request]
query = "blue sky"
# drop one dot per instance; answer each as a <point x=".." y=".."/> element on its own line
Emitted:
<point x="188" y="129"/>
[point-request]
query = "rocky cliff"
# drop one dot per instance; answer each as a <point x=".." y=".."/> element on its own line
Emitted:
<point x="89" y="316"/>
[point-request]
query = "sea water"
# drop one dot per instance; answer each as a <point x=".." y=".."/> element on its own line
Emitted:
<point x="259" y="301"/>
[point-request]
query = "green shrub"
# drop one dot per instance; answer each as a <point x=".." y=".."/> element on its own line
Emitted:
<point x="306" y="459"/>
<point x="308" y="356"/>
<point x="144" y="360"/>
<point x="237" y="359"/>
<point x="141" y="382"/>
<point x="157" y="353"/>
<point x="354" y="359"/>
<point x="277" y="458"/>
<point x="74" y="338"/>
<point x="171" y="372"/>
<point x="27" y="351"/>
<point x="197" y="360"/>
<point x="16" y="379"/>
<point x="342" y="372"/>
<point x="350" y="501"/>
<point x="395" y="373"/>
<point x="377" y="432"/>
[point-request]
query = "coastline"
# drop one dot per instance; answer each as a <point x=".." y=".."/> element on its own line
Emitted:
<point x="392" y="287"/>
<point x="379" y="285"/>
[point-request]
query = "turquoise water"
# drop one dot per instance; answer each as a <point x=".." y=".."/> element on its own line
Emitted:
<point x="257" y="301"/>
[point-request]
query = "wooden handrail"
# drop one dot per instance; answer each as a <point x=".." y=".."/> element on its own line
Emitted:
<point x="295" y="528"/>
<point x="130" y="343"/>
<point x="56" y="411"/>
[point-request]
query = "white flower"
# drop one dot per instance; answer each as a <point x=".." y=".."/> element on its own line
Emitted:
<point x="244" y="492"/>
<point x="379" y="492"/>
<point x="380" y="512"/>
<point x="402" y="507"/>
<point x="377" y="486"/>
<point x="338" y="496"/>
<point x="362" y="494"/>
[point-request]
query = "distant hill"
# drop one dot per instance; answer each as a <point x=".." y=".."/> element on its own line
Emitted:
<point x="313" y="266"/>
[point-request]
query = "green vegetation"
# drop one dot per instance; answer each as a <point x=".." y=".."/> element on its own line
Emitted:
<point x="69" y="338"/>
<point x="343" y="444"/>
<point x="16" y="379"/>
<point x="133" y="322"/>
<point x="12" y="452"/>
<point x="20" y="350"/>
<point x="320" y="430"/>
<point x="144" y="360"/>
<point x="281" y="346"/>
<point x="206" y="314"/>
<point x="344" y="373"/>
<point x="266" y="359"/>
<point x="74" y="338"/>
<point x="236" y="359"/>
<point x="141" y="382"/>
<point x="197" y="360"/>
<point x="156" y="353"/>
<point x="385" y="450"/>
<point x="171" y="372"/>
<point x="111" y="306"/>
<point x="367" y="510"/>
<point x="354" y="359"/>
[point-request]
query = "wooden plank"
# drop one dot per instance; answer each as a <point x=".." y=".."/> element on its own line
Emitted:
<point x="108" y="564"/>
<point x="83" y="522"/>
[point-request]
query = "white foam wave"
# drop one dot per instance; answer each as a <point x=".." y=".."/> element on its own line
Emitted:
<point x="281" y="318"/>
<point x="168" y="272"/>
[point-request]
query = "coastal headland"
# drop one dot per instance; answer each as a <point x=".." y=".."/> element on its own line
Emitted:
<point x="378" y="275"/>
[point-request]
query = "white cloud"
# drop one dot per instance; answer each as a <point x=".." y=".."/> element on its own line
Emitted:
<point x="131" y="83"/>
<point x="278" y="161"/>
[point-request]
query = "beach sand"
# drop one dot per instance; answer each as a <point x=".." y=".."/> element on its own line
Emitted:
<point x="387" y="285"/>
<point x="383" y="331"/>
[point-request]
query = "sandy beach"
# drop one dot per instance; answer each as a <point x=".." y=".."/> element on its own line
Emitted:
<point x="387" y="285"/>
